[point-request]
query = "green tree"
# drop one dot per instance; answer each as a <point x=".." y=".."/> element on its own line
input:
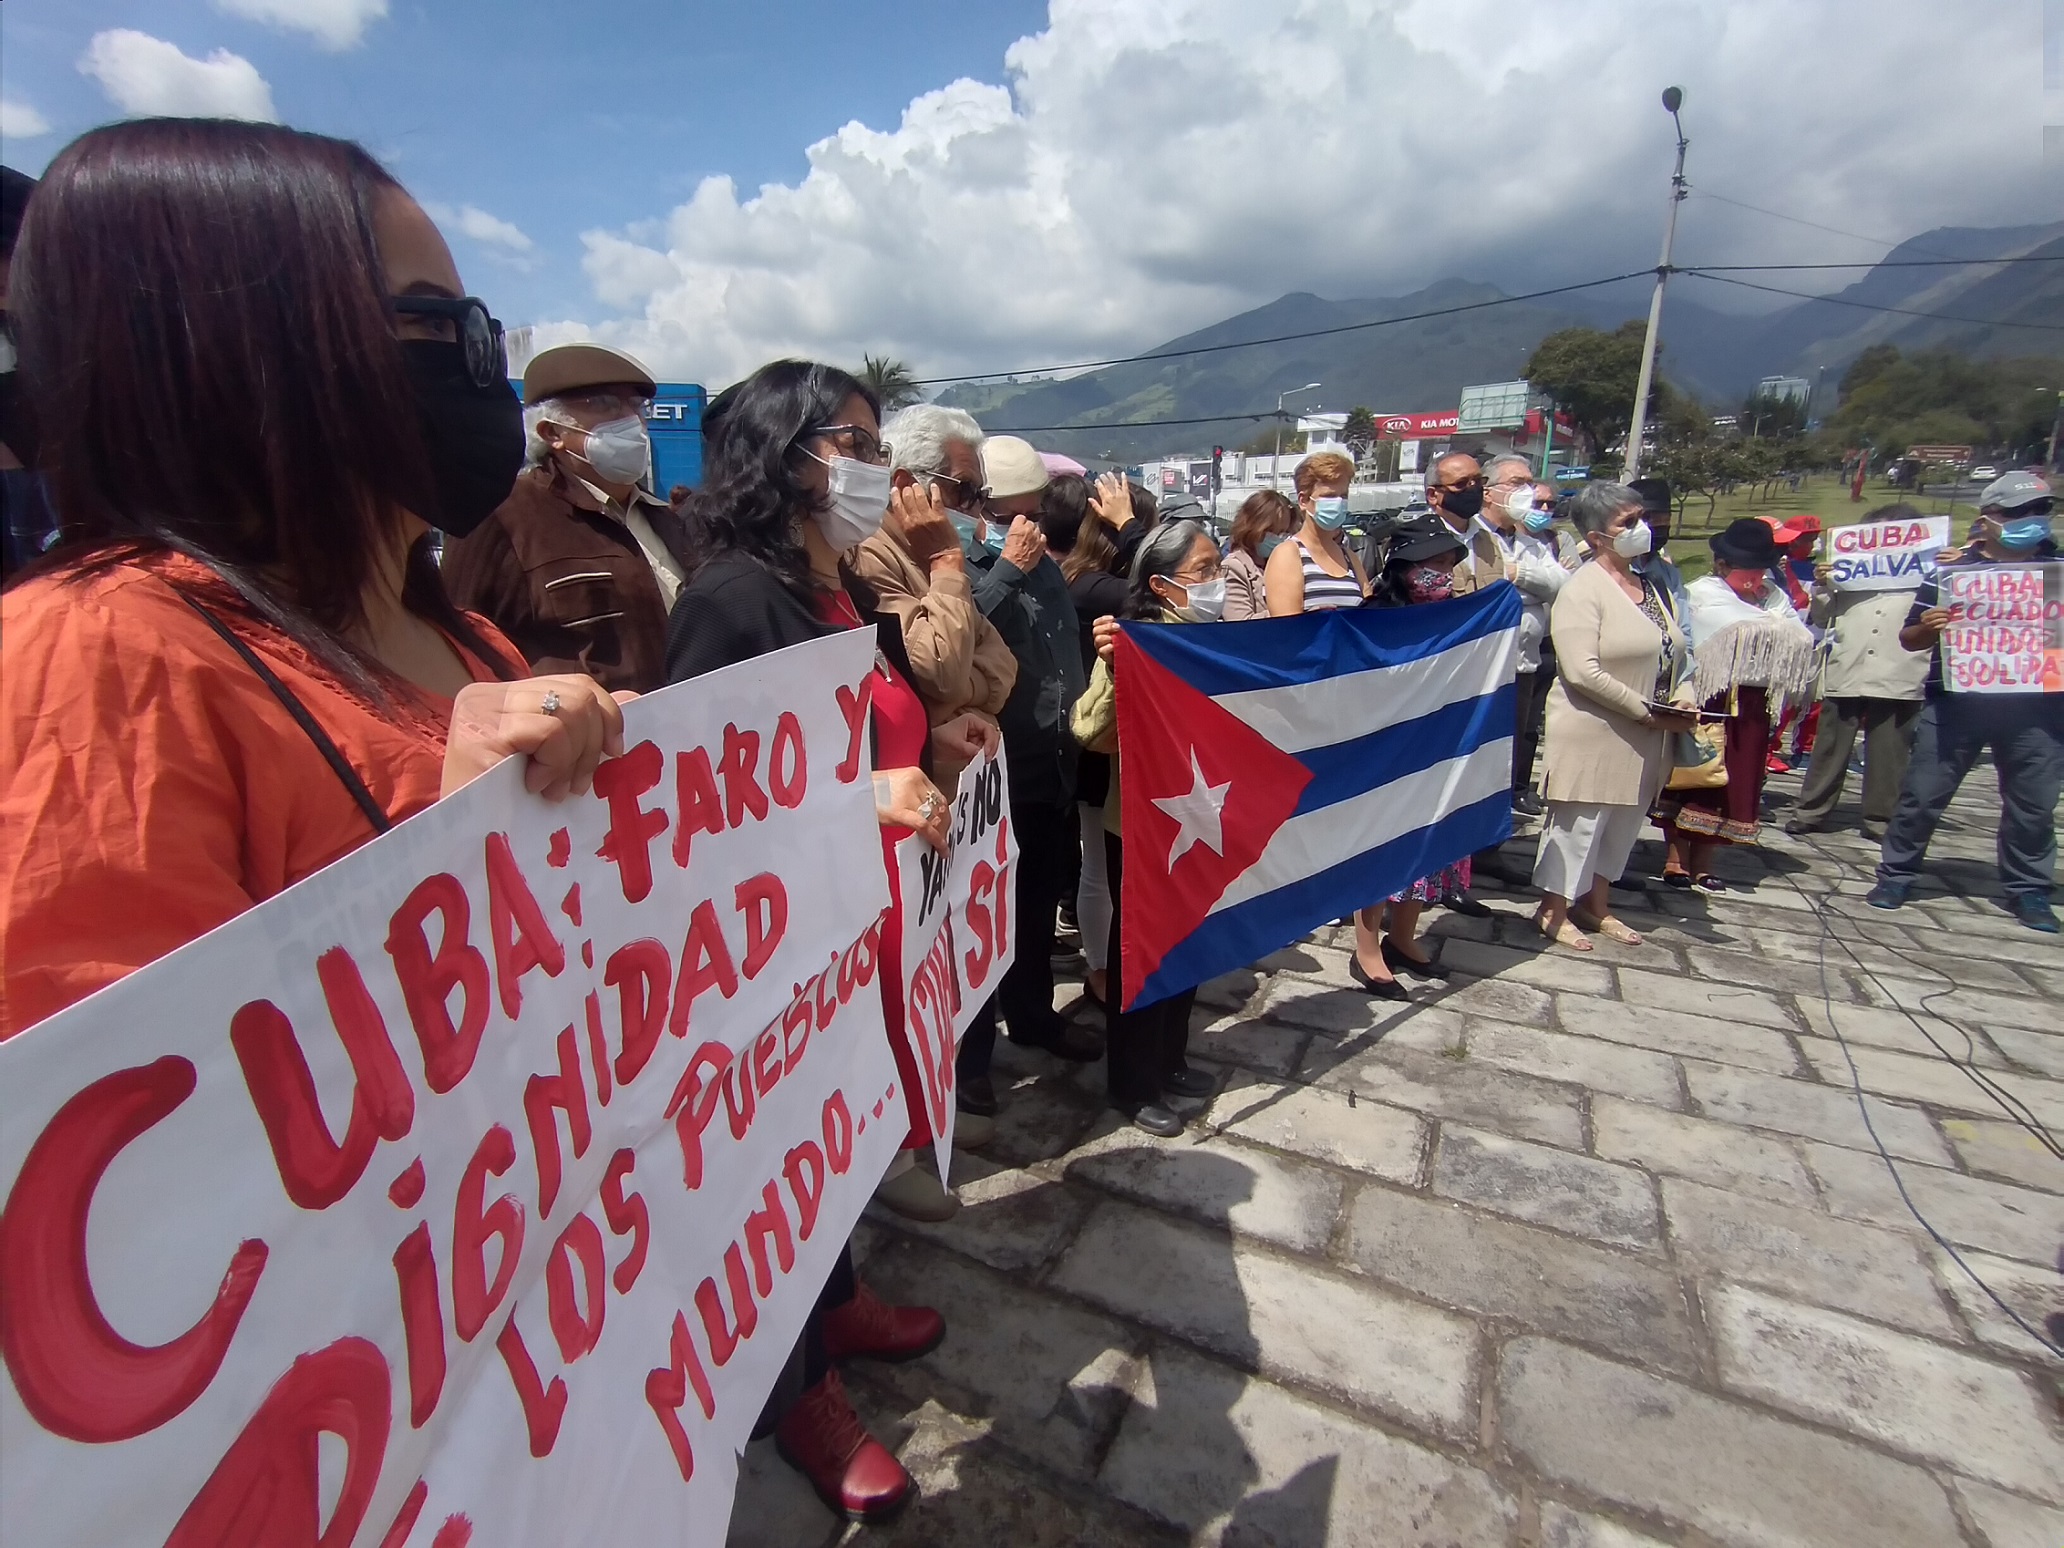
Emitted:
<point x="1936" y="397"/>
<point x="1360" y="430"/>
<point x="1591" y="375"/>
<point x="1773" y="416"/>
<point x="891" y="381"/>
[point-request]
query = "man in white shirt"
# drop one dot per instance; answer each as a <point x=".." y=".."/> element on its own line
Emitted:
<point x="1502" y="548"/>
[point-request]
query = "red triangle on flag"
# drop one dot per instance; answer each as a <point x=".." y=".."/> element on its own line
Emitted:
<point x="1201" y="794"/>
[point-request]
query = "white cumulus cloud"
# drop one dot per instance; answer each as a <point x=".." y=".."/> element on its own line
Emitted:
<point x="144" y="75"/>
<point x="20" y="121"/>
<point x="335" y="24"/>
<point x="1155" y="164"/>
<point x="472" y="221"/>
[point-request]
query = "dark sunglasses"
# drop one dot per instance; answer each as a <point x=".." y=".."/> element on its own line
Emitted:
<point x="864" y="444"/>
<point x="968" y="499"/>
<point x="487" y="359"/>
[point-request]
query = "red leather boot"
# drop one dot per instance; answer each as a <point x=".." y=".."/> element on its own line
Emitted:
<point x="852" y="1472"/>
<point x="868" y="1326"/>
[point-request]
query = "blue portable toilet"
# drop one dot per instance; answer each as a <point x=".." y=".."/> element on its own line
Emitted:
<point x="675" y="425"/>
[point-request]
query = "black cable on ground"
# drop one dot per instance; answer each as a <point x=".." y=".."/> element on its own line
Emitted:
<point x="1820" y="912"/>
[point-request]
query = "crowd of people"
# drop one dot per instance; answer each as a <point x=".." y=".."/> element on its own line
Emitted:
<point x="256" y="400"/>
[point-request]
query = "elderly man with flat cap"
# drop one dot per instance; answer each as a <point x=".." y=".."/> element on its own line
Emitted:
<point x="581" y="564"/>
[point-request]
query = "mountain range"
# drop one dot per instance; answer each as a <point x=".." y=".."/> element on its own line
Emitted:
<point x="1422" y="365"/>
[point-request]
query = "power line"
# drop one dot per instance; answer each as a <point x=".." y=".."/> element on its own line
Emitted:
<point x="1707" y="193"/>
<point x="1868" y="263"/>
<point x="1872" y="306"/>
<point x="1283" y="338"/>
<point x="1142" y="424"/>
<point x="1711" y="270"/>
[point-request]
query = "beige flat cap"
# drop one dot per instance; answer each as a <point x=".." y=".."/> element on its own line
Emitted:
<point x="569" y="367"/>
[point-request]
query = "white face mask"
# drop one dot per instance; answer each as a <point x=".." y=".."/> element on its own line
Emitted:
<point x="1634" y="542"/>
<point x="1520" y="503"/>
<point x="1207" y="601"/>
<point x="619" y="450"/>
<point x="859" y="494"/>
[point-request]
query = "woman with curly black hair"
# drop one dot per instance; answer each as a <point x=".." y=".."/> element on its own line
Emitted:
<point x="796" y="476"/>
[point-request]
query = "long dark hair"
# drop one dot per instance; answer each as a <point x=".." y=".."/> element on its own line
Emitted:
<point x="1062" y="505"/>
<point x="1262" y="514"/>
<point x="752" y="494"/>
<point x="205" y="331"/>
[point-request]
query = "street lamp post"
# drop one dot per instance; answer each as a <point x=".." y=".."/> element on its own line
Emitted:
<point x="1275" y="471"/>
<point x="1673" y="98"/>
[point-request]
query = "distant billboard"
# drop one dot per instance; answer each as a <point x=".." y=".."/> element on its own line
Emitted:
<point x="1494" y="406"/>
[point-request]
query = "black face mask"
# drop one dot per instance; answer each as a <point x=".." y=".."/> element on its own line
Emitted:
<point x="1462" y="502"/>
<point x="472" y="435"/>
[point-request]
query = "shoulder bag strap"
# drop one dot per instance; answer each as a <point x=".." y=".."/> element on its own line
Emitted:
<point x="332" y="754"/>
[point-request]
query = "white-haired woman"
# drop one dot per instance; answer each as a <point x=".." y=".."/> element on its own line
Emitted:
<point x="1619" y="651"/>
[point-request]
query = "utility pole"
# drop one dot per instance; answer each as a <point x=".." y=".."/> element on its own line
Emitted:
<point x="1673" y="99"/>
<point x="1275" y="470"/>
<point x="2056" y="425"/>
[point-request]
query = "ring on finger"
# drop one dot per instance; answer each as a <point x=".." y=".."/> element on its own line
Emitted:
<point x="550" y="706"/>
<point x="929" y="807"/>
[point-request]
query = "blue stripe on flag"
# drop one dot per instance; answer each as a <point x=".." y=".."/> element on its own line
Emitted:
<point x="1283" y="652"/>
<point x="1251" y="930"/>
<point x="1348" y="769"/>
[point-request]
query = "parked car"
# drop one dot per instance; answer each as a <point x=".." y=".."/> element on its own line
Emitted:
<point x="1984" y="474"/>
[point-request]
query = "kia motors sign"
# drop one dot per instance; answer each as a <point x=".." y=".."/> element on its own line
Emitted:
<point x="1418" y="427"/>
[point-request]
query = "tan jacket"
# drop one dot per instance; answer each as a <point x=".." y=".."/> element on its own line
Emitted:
<point x="1864" y="657"/>
<point x="1607" y="652"/>
<point x="958" y="661"/>
<point x="1246" y="595"/>
<point x="1482" y="566"/>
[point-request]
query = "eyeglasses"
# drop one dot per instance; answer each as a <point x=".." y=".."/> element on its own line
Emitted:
<point x="863" y="443"/>
<point x="473" y="326"/>
<point x="968" y="499"/>
<point x="1474" y="481"/>
<point x="615" y="405"/>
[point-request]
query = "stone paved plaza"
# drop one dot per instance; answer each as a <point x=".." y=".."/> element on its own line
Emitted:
<point x="1575" y="1252"/>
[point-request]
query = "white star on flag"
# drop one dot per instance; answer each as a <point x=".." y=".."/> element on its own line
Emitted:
<point x="1197" y="812"/>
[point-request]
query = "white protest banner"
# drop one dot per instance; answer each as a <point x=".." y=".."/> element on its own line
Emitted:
<point x="475" y="1189"/>
<point x="2006" y="628"/>
<point x="958" y="935"/>
<point x="1885" y="555"/>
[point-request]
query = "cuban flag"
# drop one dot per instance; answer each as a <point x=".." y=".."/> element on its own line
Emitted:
<point x="1280" y="773"/>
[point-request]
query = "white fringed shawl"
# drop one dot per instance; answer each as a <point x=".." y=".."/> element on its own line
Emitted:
<point x="1737" y="644"/>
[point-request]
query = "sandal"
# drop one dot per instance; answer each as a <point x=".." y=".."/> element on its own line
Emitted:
<point x="1708" y="882"/>
<point x="1566" y="934"/>
<point x="1678" y="879"/>
<point x="1609" y="927"/>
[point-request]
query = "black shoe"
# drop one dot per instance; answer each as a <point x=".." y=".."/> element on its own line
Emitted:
<point x="1382" y="989"/>
<point x="1873" y="832"/>
<point x="1194" y="1084"/>
<point x="1888" y="895"/>
<point x="1154" y="1118"/>
<point x="1527" y="804"/>
<point x="1798" y="825"/>
<point x="1398" y="962"/>
<point x="1467" y="907"/>
<point x="1078" y="1045"/>
<point x="977" y="1095"/>
<point x="2035" y="911"/>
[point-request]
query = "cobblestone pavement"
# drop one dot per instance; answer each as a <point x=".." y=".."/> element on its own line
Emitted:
<point x="1575" y="1252"/>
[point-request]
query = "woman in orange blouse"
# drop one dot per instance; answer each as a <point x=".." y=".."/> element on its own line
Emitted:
<point x="259" y="383"/>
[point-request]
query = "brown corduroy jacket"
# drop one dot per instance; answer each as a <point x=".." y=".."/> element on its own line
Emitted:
<point x="571" y="587"/>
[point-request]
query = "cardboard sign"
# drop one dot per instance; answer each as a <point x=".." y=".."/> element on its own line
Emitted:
<point x="2006" y="630"/>
<point x="476" y="1189"/>
<point x="1885" y="555"/>
<point x="959" y="932"/>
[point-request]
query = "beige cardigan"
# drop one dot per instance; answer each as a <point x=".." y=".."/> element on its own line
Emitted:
<point x="1606" y="653"/>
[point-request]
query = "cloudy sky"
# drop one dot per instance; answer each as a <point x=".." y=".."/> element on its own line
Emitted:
<point x="1001" y="184"/>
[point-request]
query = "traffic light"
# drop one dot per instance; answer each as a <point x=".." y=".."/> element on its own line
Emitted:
<point x="1217" y="463"/>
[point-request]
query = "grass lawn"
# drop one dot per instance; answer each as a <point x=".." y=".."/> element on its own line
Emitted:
<point x="1826" y="495"/>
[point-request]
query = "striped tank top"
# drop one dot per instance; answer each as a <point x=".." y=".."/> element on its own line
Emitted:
<point x="1323" y="591"/>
